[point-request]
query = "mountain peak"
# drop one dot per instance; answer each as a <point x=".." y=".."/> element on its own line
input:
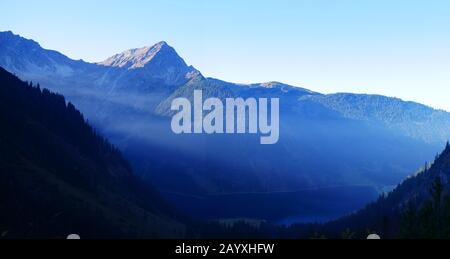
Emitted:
<point x="139" y="57"/>
<point x="283" y="87"/>
<point x="160" y="62"/>
<point x="7" y="33"/>
<point x="272" y="84"/>
<point x="162" y="43"/>
<point x="15" y="40"/>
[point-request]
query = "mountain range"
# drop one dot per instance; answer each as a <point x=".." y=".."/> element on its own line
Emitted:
<point x="332" y="148"/>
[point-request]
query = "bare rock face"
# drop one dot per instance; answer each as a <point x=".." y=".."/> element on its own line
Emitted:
<point x="159" y="62"/>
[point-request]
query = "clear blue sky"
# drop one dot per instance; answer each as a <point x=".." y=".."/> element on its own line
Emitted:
<point x="392" y="47"/>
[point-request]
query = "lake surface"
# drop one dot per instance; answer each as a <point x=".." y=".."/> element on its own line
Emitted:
<point x="304" y="206"/>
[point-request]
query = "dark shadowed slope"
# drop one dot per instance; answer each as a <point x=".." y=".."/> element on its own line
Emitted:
<point x="418" y="208"/>
<point x="57" y="176"/>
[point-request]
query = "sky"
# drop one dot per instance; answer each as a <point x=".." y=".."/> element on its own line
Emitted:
<point x="396" y="48"/>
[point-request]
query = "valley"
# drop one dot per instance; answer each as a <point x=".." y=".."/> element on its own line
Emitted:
<point x="338" y="139"/>
<point x="316" y="205"/>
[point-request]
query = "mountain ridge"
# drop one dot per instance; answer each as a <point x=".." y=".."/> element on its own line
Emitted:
<point x="134" y="62"/>
<point x="128" y="61"/>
